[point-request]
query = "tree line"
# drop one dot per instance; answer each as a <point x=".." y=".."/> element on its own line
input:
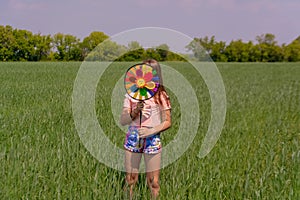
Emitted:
<point x="266" y="49"/>
<point x="23" y="45"/>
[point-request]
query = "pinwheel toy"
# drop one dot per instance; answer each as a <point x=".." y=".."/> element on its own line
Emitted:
<point x="141" y="82"/>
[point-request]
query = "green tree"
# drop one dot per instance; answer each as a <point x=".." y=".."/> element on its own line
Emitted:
<point x="218" y="51"/>
<point x="24" y="46"/>
<point x="163" y="50"/>
<point x="152" y="53"/>
<point x="238" y="51"/>
<point x="167" y="55"/>
<point x="201" y="47"/>
<point x="134" y="45"/>
<point x="107" y="51"/>
<point x="58" y="45"/>
<point x="268" y="48"/>
<point x="7" y="41"/>
<point x="42" y="47"/>
<point x="66" y="47"/>
<point x="176" y="57"/>
<point x="135" y="52"/>
<point x="91" y="41"/>
<point x="292" y="51"/>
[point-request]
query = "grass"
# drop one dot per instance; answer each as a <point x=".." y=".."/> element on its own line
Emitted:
<point x="256" y="157"/>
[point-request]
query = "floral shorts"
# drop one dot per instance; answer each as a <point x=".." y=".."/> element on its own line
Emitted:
<point x="148" y="145"/>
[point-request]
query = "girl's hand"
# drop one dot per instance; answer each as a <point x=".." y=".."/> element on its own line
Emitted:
<point x="139" y="106"/>
<point x="145" y="132"/>
<point x="135" y="112"/>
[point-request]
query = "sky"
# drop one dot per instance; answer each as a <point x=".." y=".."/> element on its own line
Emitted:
<point x="225" y="19"/>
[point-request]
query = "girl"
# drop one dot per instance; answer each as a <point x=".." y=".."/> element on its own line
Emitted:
<point x="145" y="139"/>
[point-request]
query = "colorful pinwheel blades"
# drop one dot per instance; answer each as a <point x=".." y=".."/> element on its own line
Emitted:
<point x="141" y="82"/>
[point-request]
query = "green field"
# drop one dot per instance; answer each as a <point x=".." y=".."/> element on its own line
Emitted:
<point x="256" y="157"/>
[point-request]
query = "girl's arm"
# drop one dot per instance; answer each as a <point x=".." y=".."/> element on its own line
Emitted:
<point x="125" y="118"/>
<point x="166" y="123"/>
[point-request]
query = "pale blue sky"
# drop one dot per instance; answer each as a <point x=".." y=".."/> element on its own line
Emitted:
<point x="226" y="19"/>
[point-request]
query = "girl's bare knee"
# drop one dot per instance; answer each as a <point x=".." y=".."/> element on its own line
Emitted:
<point x="155" y="189"/>
<point x="131" y="179"/>
<point x="149" y="181"/>
<point x="153" y="183"/>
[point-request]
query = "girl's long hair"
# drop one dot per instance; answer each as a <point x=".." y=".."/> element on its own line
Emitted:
<point x="161" y="93"/>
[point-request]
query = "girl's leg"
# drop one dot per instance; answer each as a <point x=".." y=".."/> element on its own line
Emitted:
<point x="152" y="162"/>
<point x="132" y="163"/>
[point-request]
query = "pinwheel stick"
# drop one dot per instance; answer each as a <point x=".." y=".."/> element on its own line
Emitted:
<point x="141" y="113"/>
<point x="141" y="119"/>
